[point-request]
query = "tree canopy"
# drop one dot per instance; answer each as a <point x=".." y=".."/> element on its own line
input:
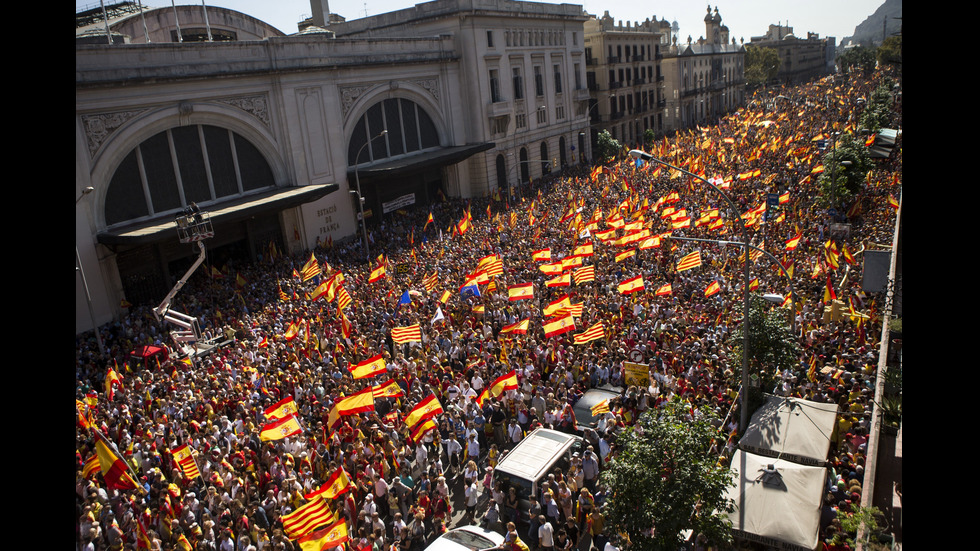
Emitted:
<point x="771" y="342"/>
<point x="857" y="58"/>
<point x="845" y="167"/>
<point x="607" y="147"/>
<point x="761" y="65"/>
<point x="666" y="481"/>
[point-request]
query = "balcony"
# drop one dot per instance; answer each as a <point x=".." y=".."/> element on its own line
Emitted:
<point x="590" y="61"/>
<point x="580" y="94"/>
<point x="498" y="109"/>
<point x="639" y="81"/>
<point x="617" y="115"/>
<point x="612" y="59"/>
<point x="637" y="58"/>
<point x="614" y="85"/>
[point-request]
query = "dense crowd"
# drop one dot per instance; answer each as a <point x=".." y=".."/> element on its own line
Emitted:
<point x="404" y="491"/>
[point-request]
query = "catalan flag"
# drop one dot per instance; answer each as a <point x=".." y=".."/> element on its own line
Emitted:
<point x="343" y="298"/>
<point x="593" y="333"/>
<point x="369" y="368"/>
<point x="311" y="269"/>
<point x="600" y="408"/>
<point x="690" y="261"/>
<point x="91" y="465"/>
<point x="631" y="285"/>
<point x="307" y="518"/>
<point x="584" y="274"/>
<point x="430" y="282"/>
<point x="520" y="292"/>
<point x="403" y="335"/>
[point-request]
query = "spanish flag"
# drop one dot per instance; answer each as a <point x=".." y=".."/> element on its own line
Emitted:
<point x="115" y="471"/>
<point x="504" y="383"/>
<point x="664" y="290"/>
<point x="794" y="241"/>
<point x="387" y="390"/>
<point x="631" y="285"/>
<point x="560" y="326"/>
<point x="419" y="431"/>
<point x="281" y="409"/>
<point x="556" y="305"/>
<point x="277" y="430"/>
<point x="377" y="274"/>
<point x="563" y="280"/>
<point x="542" y="255"/>
<point x="184" y="456"/>
<point x="713" y="288"/>
<point x="360" y="402"/>
<point x="369" y="368"/>
<point x="625" y="255"/>
<point x="520" y="291"/>
<point x="552" y="269"/>
<point x="430" y="407"/>
<point x="519" y="328"/>
<point x="325" y="538"/>
<point x="338" y="484"/>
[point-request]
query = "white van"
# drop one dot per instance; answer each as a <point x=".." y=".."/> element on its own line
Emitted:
<point x="527" y="465"/>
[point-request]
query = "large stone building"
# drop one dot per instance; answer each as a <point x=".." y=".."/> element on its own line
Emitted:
<point x="800" y="60"/>
<point x="624" y="77"/>
<point x="704" y="79"/>
<point x="270" y="132"/>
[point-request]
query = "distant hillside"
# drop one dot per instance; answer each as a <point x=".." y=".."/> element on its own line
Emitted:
<point x="869" y="31"/>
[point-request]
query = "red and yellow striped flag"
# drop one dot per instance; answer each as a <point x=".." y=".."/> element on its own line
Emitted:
<point x="593" y="333"/>
<point x="584" y="274"/>
<point x="184" y="456"/>
<point x="307" y="518"/>
<point x="690" y="261"/>
<point x="403" y="335"/>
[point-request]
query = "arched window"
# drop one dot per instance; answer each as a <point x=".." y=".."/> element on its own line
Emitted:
<point x="409" y="128"/>
<point x="561" y="152"/>
<point x="183" y="165"/>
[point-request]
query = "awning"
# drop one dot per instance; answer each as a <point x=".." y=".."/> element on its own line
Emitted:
<point x="792" y="429"/>
<point x="417" y="163"/>
<point x="241" y="208"/>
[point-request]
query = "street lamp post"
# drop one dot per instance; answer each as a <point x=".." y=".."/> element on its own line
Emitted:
<point x="360" y="197"/>
<point x="744" y="422"/>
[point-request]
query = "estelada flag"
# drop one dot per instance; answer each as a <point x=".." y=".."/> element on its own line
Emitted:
<point x="519" y="328"/>
<point x="281" y="409"/>
<point x="430" y="407"/>
<point x="504" y="383"/>
<point x="690" y="261"/>
<point x="584" y="274"/>
<point x="307" y="518"/>
<point x="402" y="335"/>
<point x="542" y="254"/>
<point x="369" y="367"/>
<point x="325" y="538"/>
<point x="560" y="326"/>
<point x="563" y="280"/>
<point x="593" y="333"/>
<point x="520" y="291"/>
<point x="664" y="290"/>
<point x="115" y="471"/>
<point x="631" y="285"/>
<point x="713" y="288"/>
<point x="338" y="484"/>
<point x="277" y="430"/>
<point x="387" y="390"/>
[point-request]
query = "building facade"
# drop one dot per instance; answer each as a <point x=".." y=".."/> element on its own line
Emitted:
<point x="625" y="78"/>
<point x="800" y="60"/>
<point x="271" y="133"/>
<point x="704" y="79"/>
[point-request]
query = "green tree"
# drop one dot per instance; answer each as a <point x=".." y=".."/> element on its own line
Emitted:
<point x="857" y="58"/>
<point x="863" y="522"/>
<point x="771" y="342"/>
<point x="648" y="136"/>
<point x="890" y="51"/>
<point x="761" y="65"/>
<point x="844" y="169"/>
<point x="666" y="481"/>
<point x="607" y="147"/>
<point x="877" y="114"/>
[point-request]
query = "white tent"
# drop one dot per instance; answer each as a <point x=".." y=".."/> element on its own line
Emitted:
<point x="777" y="502"/>
<point x="792" y="429"/>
